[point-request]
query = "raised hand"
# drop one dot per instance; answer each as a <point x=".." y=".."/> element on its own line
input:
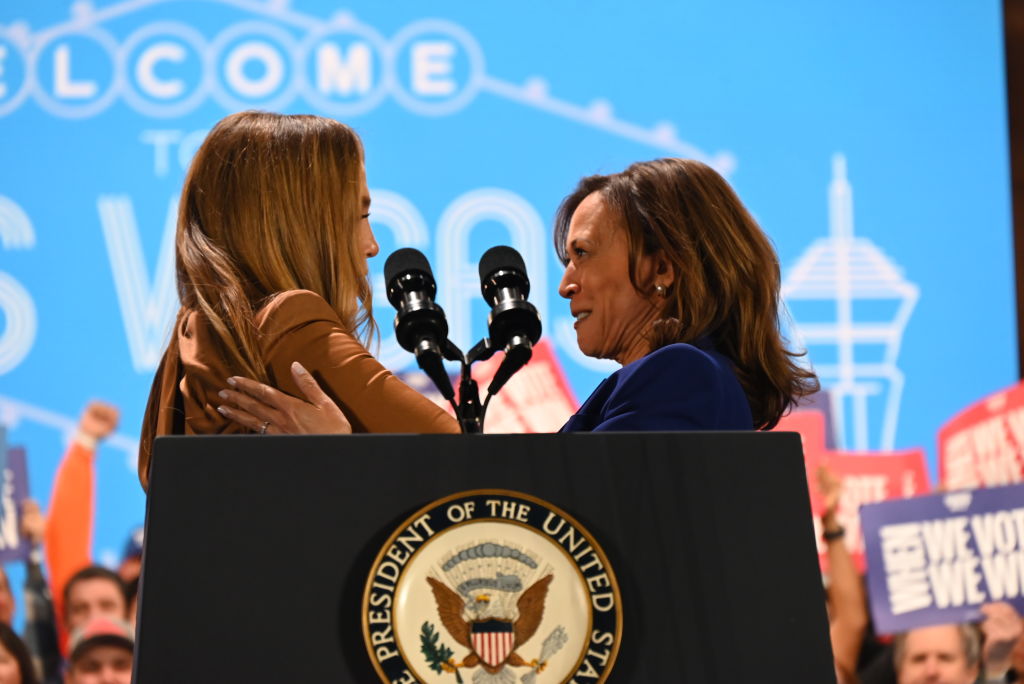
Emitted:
<point x="99" y="419"/>
<point x="831" y="487"/>
<point x="33" y="524"/>
<point x="1001" y="628"/>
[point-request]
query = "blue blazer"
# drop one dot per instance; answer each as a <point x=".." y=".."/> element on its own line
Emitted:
<point x="678" y="387"/>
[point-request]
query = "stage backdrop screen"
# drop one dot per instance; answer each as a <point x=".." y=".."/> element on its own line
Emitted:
<point x="869" y="140"/>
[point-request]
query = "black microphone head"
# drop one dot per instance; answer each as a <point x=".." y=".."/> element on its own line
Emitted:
<point x="406" y="259"/>
<point x="501" y="258"/>
<point x="407" y="269"/>
<point x="502" y="267"/>
<point x="505" y="286"/>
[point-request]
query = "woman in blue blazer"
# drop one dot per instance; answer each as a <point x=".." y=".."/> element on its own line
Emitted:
<point x="667" y="273"/>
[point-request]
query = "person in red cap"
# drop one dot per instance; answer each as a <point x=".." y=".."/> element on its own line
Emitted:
<point x="101" y="653"/>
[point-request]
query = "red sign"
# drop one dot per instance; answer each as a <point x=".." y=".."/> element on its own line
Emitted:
<point x="811" y="427"/>
<point x="867" y="477"/>
<point x="983" y="446"/>
<point x="537" y="398"/>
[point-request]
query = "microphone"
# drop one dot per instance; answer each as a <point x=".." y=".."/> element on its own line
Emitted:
<point x="420" y="325"/>
<point x="513" y="324"/>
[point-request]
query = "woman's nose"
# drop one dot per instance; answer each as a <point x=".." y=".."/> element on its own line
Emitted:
<point x="568" y="285"/>
<point x="372" y="248"/>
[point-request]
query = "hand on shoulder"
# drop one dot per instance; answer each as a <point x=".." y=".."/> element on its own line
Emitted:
<point x="267" y="411"/>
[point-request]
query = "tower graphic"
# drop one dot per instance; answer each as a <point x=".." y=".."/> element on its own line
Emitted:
<point x="850" y="305"/>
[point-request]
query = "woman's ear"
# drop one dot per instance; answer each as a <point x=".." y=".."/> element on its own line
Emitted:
<point x="664" y="270"/>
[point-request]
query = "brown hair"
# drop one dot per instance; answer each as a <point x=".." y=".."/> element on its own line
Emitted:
<point x="93" y="572"/>
<point x="727" y="272"/>
<point x="271" y="203"/>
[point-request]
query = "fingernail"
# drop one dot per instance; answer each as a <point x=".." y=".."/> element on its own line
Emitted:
<point x="297" y="367"/>
<point x="223" y="394"/>
<point x="222" y="411"/>
<point x="232" y="381"/>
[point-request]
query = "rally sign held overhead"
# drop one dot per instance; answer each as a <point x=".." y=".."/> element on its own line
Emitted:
<point x="936" y="559"/>
<point x="867" y="477"/>
<point x="13" y="492"/>
<point x="983" y="446"/>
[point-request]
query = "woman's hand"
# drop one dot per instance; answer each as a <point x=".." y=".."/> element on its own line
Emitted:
<point x="831" y="488"/>
<point x="33" y="524"/>
<point x="267" y="411"/>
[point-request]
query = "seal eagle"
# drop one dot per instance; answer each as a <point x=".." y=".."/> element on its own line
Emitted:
<point x="450" y="607"/>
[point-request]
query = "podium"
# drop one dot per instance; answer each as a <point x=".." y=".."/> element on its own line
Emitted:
<point x="258" y="548"/>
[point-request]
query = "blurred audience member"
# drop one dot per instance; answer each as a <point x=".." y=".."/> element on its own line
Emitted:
<point x="101" y="653"/>
<point x="1001" y="630"/>
<point x="69" y="527"/>
<point x="940" y="654"/>
<point x="847" y="609"/>
<point x="40" y="621"/>
<point x="132" y="591"/>
<point x="131" y="559"/>
<point x="15" y="662"/>
<point x="6" y="598"/>
<point x="91" y="593"/>
<point x="960" y="653"/>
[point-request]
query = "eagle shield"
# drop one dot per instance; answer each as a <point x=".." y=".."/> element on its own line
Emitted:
<point x="492" y="640"/>
<point x="496" y="605"/>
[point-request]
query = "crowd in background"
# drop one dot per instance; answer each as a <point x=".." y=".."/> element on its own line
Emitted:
<point x="991" y="651"/>
<point x="79" y="621"/>
<point x="79" y="617"/>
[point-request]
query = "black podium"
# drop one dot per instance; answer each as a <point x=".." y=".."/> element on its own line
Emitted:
<point x="258" y="548"/>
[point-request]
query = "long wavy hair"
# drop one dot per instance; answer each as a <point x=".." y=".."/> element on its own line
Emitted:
<point x="271" y="203"/>
<point x="727" y="272"/>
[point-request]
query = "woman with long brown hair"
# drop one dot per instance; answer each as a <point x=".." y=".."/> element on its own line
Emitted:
<point x="668" y="274"/>
<point x="272" y="244"/>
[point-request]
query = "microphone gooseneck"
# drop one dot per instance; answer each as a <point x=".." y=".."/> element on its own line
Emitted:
<point x="513" y="325"/>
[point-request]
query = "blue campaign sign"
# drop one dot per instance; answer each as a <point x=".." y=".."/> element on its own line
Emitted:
<point x="13" y="491"/>
<point x="936" y="559"/>
<point x="868" y="139"/>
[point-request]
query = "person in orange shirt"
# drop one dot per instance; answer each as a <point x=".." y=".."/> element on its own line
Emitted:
<point x="68" y="535"/>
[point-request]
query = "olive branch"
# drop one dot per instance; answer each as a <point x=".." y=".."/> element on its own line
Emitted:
<point x="438" y="656"/>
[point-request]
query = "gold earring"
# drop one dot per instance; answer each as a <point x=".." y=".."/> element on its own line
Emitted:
<point x="660" y="289"/>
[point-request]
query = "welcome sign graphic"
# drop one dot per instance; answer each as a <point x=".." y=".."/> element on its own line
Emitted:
<point x="883" y="188"/>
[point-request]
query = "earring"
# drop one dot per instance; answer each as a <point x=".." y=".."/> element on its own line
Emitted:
<point x="660" y="289"/>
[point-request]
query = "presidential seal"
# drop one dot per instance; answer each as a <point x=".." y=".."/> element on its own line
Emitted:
<point x="492" y="587"/>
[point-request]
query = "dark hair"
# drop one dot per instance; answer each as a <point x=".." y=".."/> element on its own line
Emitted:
<point x="91" y="572"/>
<point x="131" y="590"/>
<point x="727" y="272"/>
<point x="17" y="648"/>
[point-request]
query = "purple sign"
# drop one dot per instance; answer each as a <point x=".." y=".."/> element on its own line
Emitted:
<point x="935" y="559"/>
<point x="13" y="490"/>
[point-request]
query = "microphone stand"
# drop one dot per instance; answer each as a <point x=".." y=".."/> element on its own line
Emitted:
<point x="469" y="410"/>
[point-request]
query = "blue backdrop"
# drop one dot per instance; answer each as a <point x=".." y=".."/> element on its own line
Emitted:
<point x="869" y="139"/>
